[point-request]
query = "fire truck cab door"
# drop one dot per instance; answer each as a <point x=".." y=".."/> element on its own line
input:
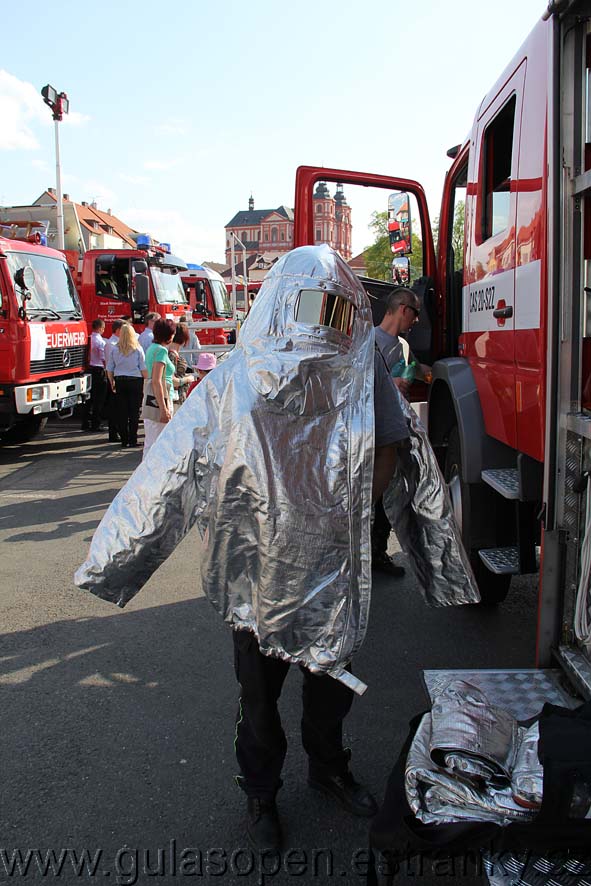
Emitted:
<point x="308" y="176"/>
<point x="489" y="291"/>
<point x="112" y="288"/>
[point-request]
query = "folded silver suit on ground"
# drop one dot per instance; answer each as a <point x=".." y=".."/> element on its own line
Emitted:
<point x="272" y="457"/>
<point x="469" y="760"/>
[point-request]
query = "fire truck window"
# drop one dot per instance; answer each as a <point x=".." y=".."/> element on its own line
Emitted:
<point x="497" y="151"/>
<point x="112" y="277"/>
<point x="455" y="258"/>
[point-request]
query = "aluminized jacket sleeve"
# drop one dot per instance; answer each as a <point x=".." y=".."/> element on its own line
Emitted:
<point x="146" y="520"/>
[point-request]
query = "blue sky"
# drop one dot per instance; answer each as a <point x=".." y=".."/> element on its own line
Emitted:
<point x="179" y="111"/>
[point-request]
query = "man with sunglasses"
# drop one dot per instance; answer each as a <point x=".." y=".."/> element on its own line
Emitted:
<point x="402" y="312"/>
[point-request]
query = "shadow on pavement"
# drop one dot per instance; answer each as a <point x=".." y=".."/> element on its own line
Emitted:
<point x="118" y="731"/>
<point x="44" y="511"/>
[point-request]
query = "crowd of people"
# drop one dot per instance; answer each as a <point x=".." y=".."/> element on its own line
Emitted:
<point x="144" y="377"/>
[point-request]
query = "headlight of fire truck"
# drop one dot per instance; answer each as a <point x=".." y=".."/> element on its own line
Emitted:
<point x="36" y="393"/>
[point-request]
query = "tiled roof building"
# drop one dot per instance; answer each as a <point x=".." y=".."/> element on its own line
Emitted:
<point x="269" y="232"/>
<point x="85" y="225"/>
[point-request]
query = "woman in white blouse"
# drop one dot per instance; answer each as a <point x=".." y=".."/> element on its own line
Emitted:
<point x="126" y="369"/>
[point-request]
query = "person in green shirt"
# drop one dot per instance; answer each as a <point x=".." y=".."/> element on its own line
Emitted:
<point x="161" y="372"/>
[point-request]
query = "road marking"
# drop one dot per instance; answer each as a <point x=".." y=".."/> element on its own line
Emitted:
<point x="34" y="496"/>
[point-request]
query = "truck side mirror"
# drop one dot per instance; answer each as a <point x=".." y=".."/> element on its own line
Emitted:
<point x="401" y="270"/>
<point x="399" y="224"/>
<point x="141" y="291"/>
<point x="24" y="278"/>
<point x="201" y="309"/>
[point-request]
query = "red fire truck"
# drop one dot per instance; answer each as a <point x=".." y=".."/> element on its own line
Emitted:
<point x="209" y="302"/>
<point x="506" y="326"/>
<point x="119" y="283"/>
<point x="43" y="336"/>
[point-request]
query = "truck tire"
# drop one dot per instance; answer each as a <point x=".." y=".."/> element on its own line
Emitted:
<point x="472" y="508"/>
<point x="24" y="430"/>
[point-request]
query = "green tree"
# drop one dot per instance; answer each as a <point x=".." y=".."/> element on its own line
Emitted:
<point x="378" y="256"/>
<point x="457" y="232"/>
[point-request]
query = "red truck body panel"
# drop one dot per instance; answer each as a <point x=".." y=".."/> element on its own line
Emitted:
<point x="99" y="303"/>
<point x="507" y="355"/>
<point x="507" y="269"/>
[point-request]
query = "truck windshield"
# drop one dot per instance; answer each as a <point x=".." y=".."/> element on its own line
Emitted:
<point x="223" y="307"/>
<point x="168" y="286"/>
<point x="52" y="288"/>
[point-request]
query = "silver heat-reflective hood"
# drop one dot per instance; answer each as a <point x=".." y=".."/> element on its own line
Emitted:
<point x="272" y="457"/>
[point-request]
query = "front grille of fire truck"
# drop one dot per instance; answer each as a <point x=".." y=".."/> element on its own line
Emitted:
<point x="60" y="358"/>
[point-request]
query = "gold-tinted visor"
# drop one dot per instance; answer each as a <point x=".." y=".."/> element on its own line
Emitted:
<point x="317" y="307"/>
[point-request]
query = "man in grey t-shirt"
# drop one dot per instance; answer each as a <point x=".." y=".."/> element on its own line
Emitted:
<point x="402" y="312"/>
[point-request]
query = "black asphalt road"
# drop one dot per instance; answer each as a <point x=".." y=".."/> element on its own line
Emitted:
<point x="117" y="726"/>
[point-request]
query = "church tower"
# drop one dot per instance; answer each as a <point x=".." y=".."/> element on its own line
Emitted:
<point x="323" y="215"/>
<point x="342" y="224"/>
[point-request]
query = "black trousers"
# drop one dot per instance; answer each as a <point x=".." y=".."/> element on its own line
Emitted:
<point x="260" y="741"/>
<point x="110" y="413"/>
<point x="380" y="531"/>
<point x="128" y="403"/>
<point x="93" y="408"/>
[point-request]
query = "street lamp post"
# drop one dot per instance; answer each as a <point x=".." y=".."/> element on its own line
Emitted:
<point x="60" y="105"/>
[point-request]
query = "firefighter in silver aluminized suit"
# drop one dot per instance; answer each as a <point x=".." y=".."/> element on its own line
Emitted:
<point x="274" y="456"/>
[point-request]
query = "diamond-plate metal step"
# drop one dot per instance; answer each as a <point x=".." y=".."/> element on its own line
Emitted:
<point x="578" y="666"/>
<point x="522" y="692"/>
<point x="502" y="561"/>
<point x="505" y="481"/>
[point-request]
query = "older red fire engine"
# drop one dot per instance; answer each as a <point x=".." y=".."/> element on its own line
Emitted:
<point x="43" y="336"/>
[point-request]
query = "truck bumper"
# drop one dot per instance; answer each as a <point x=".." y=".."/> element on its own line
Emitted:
<point x="55" y="395"/>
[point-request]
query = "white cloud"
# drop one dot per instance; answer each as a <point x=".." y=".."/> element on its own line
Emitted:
<point x="98" y="191"/>
<point x="134" y="179"/>
<point x="40" y="164"/>
<point x="160" y="165"/>
<point x="191" y="242"/>
<point x="75" y="118"/>
<point x="20" y="106"/>
<point x="173" y="127"/>
<point x="22" y="110"/>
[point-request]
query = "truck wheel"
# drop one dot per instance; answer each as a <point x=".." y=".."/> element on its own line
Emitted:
<point x="24" y="430"/>
<point x="473" y="509"/>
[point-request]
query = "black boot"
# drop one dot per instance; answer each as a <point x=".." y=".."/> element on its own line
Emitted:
<point x="263" y="828"/>
<point x="381" y="562"/>
<point x="351" y="795"/>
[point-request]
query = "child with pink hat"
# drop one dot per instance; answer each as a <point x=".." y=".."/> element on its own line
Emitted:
<point x="205" y="364"/>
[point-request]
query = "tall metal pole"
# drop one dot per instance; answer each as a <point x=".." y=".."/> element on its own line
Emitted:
<point x="60" y="105"/>
<point x="60" y="203"/>
<point x="245" y="273"/>
<point x="233" y="261"/>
